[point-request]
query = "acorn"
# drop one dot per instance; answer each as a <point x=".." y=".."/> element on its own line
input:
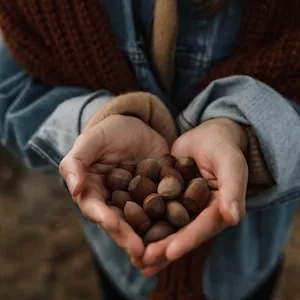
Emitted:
<point x="158" y="231"/>
<point x="154" y="206"/>
<point x="136" y="217"/>
<point x="167" y="160"/>
<point x="118" y="179"/>
<point x="129" y="166"/>
<point x="140" y="187"/>
<point x="176" y="214"/>
<point x="119" y="199"/>
<point x="187" y="167"/>
<point x="169" y="188"/>
<point x="169" y="171"/>
<point x="196" y="196"/>
<point x="148" y="168"/>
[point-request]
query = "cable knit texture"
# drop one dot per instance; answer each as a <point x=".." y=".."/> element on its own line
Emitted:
<point x="268" y="48"/>
<point x="72" y="42"/>
<point x="66" y="42"/>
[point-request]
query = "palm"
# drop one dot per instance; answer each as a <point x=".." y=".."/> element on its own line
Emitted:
<point x="94" y="153"/>
<point x="221" y="162"/>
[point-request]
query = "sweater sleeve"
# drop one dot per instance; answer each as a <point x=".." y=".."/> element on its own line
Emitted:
<point x="273" y="121"/>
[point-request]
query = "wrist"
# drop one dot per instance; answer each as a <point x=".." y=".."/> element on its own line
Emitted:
<point x="230" y="130"/>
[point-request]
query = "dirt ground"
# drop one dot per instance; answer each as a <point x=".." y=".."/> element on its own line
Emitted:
<point x="43" y="254"/>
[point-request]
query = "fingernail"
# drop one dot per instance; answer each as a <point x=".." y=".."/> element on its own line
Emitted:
<point x="235" y="211"/>
<point x="71" y="182"/>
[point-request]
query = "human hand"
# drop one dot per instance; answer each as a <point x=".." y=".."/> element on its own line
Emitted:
<point x="97" y="150"/>
<point x="217" y="147"/>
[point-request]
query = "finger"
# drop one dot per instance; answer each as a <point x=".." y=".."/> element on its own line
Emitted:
<point x="82" y="155"/>
<point x="111" y="222"/>
<point x="156" y="252"/>
<point x="73" y="173"/>
<point x="137" y="262"/>
<point x="230" y="167"/>
<point x="92" y="205"/>
<point x="204" y="227"/>
<point x="128" y="240"/>
<point x="153" y="270"/>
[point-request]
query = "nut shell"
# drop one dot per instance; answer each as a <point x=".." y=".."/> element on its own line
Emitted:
<point x="187" y="167"/>
<point x="158" y="231"/>
<point x="136" y="217"/>
<point x="154" y="206"/>
<point x="140" y="187"/>
<point x="149" y="168"/>
<point x="168" y="171"/>
<point x="196" y="196"/>
<point x="118" y="179"/>
<point x="167" y="160"/>
<point x="176" y="214"/>
<point x="129" y="166"/>
<point x="119" y="199"/>
<point x="169" y="188"/>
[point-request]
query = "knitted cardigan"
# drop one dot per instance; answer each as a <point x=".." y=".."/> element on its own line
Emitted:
<point x="72" y="42"/>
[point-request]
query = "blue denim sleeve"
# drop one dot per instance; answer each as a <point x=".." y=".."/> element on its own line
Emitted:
<point x="26" y="106"/>
<point x="276" y="124"/>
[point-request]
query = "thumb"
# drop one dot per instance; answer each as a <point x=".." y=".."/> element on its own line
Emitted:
<point x="231" y="170"/>
<point x="83" y="154"/>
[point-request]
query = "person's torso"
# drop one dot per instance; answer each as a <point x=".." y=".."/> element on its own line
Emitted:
<point x="242" y="256"/>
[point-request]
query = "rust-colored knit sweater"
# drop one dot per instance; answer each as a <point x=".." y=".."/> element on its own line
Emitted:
<point x="72" y="42"/>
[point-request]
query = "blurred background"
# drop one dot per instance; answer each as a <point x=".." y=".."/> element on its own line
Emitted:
<point x="43" y="253"/>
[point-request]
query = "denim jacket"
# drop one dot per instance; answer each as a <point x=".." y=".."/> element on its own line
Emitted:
<point x="40" y="124"/>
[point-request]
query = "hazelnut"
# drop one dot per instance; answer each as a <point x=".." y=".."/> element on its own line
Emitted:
<point x="176" y="214"/>
<point x="119" y="199"/>
<point x="136" y="217"/>
<point x="140" y="187"/>
<point x="129" y="166"/>
<point x="169" y="188"/>
<point x="118" y="179"/>
<point x="196" y="196"/>
<point x="187" y="167"/>
<point x="168" y="171"/>
<point x="158" y="231"/>
<point x="148" y="168"/>
<point x="167" y="160"/>
<point x="154" y="206"/>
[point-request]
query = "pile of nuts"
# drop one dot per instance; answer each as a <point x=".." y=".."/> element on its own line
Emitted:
<point x="157" y="197"/>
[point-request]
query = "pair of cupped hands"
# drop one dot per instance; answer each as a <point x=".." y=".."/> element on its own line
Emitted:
<point x="218" y="147"/>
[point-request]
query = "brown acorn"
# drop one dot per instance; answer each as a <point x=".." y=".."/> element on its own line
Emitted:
<point x="158" y="231"/>
<point x="154" y="206"/>
<point x="169" y="188"/>
<point x="168" y="171"/>
<point x="196" y="196"/>
<point x="129" y="166"/>
<point x="140" y="187"/>
<point x="149" y="168"/>
<point x="118" y="179"/>
<point x="136" y="217"/>
<point x="176" y="214"/>
<point x="167" y="160"/>
<point x="119" y="199"/>
<point x="187" y="167"/>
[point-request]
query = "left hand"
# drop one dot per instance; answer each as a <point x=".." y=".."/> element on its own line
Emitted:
<point x="218" y="147"/>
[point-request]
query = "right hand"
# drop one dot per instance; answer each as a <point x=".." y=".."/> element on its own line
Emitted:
<point x="98" y="149"/>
